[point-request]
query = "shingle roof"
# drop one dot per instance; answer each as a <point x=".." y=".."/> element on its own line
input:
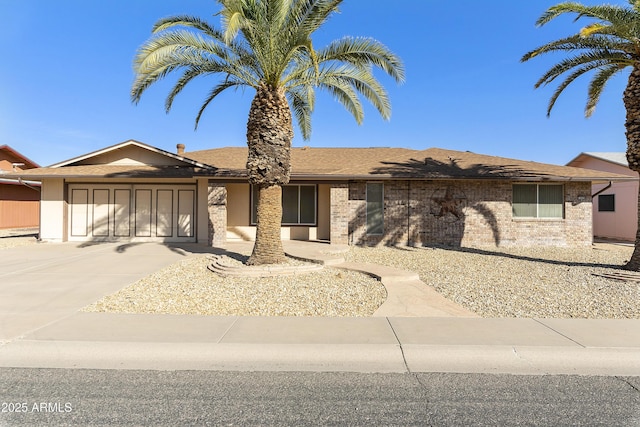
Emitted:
<point x="309" y="163"/>
<point x="402" y="163"/>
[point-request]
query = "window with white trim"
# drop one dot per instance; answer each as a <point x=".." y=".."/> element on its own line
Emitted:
<point x="299" y="204"/>
<point x="538" y="201"/>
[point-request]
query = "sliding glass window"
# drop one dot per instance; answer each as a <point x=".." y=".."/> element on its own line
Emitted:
<point x="538" y="201"/>
<point x="298" y="205"/>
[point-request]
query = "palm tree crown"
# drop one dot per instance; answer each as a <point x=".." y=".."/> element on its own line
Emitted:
<point x="275" y="49"/>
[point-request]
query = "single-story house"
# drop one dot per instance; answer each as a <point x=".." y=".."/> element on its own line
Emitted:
<point x="19" y="199"/>
<point x="615" y="204"/>
<point x="136" y="192"/>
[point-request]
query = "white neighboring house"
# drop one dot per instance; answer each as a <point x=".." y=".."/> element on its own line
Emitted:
<point x="615" y="205"/>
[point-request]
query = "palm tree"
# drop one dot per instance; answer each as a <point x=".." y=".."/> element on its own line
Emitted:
<point x="267" y="45"/>
<point x="607" y="45"/>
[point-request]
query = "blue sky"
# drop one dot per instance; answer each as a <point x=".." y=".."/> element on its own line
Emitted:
<point x="67" y="72"/>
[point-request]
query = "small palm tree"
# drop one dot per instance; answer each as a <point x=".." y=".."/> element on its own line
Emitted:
<point x="607" y="46"/>
<point x="267" y="45"/>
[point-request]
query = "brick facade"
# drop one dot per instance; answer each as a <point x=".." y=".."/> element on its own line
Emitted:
<point x="466" y="213"/>
<point x="452" y="213"/>
<point x="339" y="228"/>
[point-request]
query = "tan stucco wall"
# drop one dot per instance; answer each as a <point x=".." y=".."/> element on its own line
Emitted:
<point x="53" y="218"/>
<point x="238" y="205"/>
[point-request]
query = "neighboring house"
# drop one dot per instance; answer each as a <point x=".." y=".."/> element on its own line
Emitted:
<point x="19" y="200"/>
<point x="615" y="204"/>
<point x="135" y="192"/>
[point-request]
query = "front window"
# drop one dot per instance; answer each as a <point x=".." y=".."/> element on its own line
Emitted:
<point x="375" y="208"/>
<point x="538" y="201"/>
<point x="607" y="203"/>
<point x="298" y="205"/>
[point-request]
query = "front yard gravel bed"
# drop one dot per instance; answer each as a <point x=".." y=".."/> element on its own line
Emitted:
<point x="188" y="287"/>
<point x="521" y="282"/>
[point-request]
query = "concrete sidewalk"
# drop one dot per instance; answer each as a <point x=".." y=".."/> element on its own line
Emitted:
<point x="43" y="287"/>
<point x="166" y="342"/>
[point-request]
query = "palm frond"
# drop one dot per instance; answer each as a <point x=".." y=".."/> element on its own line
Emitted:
<point x="575" y="42"/>
<point x="302" y="99"/>
<point x="596" y="59"/>
<point x="363" y="51"/>
<point x="597" y="85"/>
<point x="614" y="14"/>
<point x="312" y="14"/>
<point x="217" y="90"/>
<point x="346" y="95"/>
<point x="568" y="80"/>
<point x="186" y="21"/>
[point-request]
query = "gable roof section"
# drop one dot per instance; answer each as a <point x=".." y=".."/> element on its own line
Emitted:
<point x="90" y="158"/>
<point x="402" y="163"/>
<point x="127" y="159"/>
<point x="15" y="157"/>
<point x="616" y="157"/>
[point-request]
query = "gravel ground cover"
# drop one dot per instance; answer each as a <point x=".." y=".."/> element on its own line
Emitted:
<point x="497" y="282"/>
<point x="524" y="282"/>
<point x="12" y="242"/>
<point x="188" y="287"/>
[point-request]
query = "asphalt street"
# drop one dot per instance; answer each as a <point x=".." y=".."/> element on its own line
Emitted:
<point x="67" y="397"/>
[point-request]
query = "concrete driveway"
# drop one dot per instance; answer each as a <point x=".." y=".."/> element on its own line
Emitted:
<point x="45" y="282"/>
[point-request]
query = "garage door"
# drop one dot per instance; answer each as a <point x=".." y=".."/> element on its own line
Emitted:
<point x="132" y="212"/>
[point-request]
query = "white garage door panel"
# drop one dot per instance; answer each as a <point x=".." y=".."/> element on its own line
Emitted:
<point x="186" y="212"/>
<point x="143" y="213"/>
<point x="100" y="218"/>
<point x="164" y="213"/>
<point x="79" y="212"/>
<point x="132" y="212"/>
<point x="122" y="213"/>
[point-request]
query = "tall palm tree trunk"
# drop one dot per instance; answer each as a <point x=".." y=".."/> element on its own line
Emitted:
<point x="269" y="135"/>
<point x="632" y="125"/>
<point x="268" y="246"/>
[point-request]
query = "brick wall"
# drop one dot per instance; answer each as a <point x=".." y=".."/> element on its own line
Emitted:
<point x="464" y="213"/>
<point x="339" y="213"/>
